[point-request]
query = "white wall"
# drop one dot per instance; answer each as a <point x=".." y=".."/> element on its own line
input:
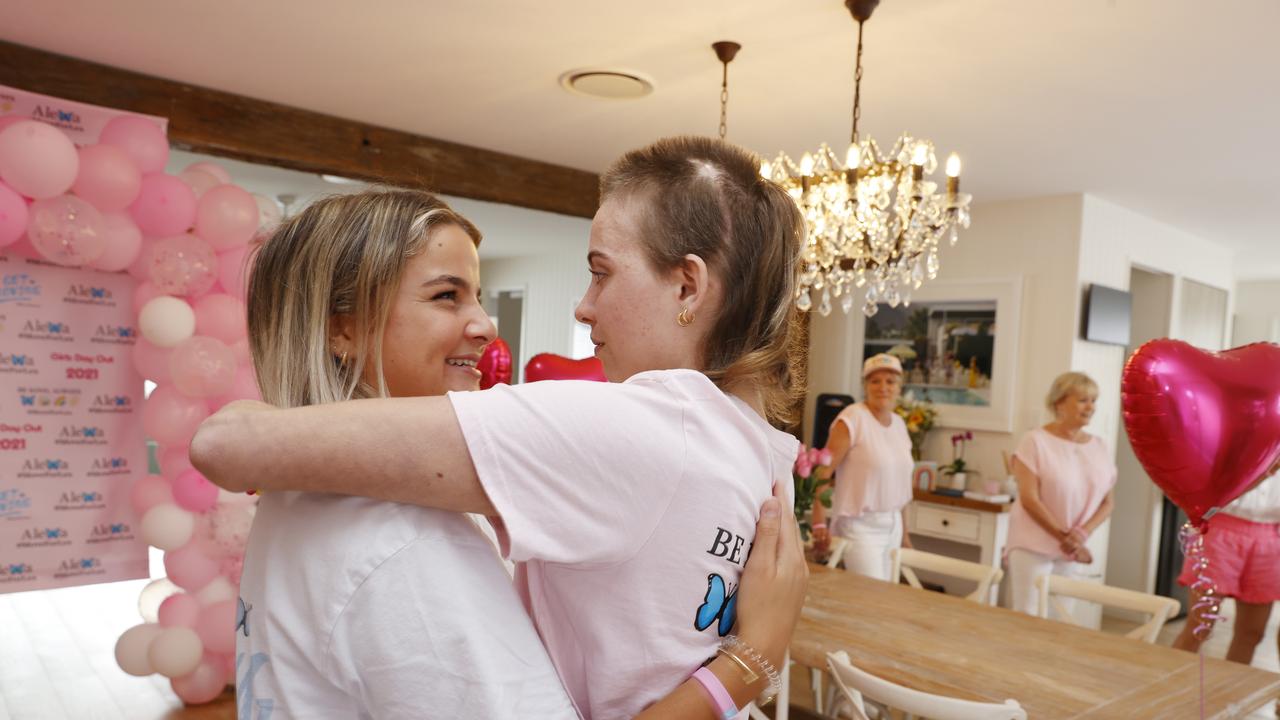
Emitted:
<point x="553" y="283"/>
<point x="1257" y="316"/>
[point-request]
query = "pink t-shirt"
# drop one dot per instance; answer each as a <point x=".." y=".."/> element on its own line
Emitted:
<point x="630" y="509"/>
<point x="875" y="475"/>
<point x="1074" y="480"/>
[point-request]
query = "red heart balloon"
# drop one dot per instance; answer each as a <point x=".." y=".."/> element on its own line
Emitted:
<point x="1205" y="425"/>
<point x="495" y="364"/>
<point x="546" y="366"/>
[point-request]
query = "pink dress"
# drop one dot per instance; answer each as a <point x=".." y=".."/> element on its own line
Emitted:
<point x="875" y="475"/>
<point x="1074" y="480"/>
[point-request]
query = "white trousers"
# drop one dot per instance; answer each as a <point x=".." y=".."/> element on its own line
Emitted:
<point x="1024" y="567"/>
<point x="871" y="536"/>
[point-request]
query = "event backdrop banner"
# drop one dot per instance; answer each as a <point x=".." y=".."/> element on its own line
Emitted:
<point x="71" y="441"/>
<point x="80" y="121"/>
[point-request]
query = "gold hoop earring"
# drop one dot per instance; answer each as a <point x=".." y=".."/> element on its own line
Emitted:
<point x="685" y="318"/>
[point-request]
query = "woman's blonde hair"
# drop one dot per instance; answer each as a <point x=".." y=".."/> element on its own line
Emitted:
<point x="706" y="197"/>
<point x="1064" y="384"/>
<point x="342" y="255"/>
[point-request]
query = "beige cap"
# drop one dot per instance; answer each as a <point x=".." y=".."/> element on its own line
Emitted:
<point x="883" y="361"/>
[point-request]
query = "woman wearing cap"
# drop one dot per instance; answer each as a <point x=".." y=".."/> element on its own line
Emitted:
<point x="871" y="452"/>
<point x="1065" y="480"/>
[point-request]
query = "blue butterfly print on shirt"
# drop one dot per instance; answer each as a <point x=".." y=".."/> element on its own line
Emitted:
<point x="717" y="604"/>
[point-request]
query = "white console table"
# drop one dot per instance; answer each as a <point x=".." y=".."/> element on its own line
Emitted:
<point x="961" y="520"/>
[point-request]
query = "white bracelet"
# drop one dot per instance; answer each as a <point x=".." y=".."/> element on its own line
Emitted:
<point x="775" y="680"/>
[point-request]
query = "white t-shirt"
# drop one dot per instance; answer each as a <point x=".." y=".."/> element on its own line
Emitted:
<point x="1260" y="505"/>
<point x="630" y="508"/>
<point x="875" y="475"/>
<point x="358" y="608"/>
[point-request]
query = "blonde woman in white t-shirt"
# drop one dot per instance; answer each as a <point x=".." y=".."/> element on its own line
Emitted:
<point x="631" y="507"/>
<point x="871" y="453"/>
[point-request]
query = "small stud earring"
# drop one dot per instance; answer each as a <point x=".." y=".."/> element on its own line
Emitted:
<point x="685" y="318"/>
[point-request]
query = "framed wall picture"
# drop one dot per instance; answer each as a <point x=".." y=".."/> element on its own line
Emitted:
<point x="958" y="344"/>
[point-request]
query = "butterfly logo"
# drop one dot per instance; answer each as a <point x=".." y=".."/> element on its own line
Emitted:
<point x="242" y="616"/>
<point x="717" y="604"/>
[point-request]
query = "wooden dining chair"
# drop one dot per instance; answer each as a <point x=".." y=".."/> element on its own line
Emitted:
<point x="906" y="561"/>
<point x="858" y="686"/>
<point x="1158" y="607"/>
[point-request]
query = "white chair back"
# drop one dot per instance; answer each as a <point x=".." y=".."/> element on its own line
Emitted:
<point x="1159" y="608"/>
<point x="855" y="684"/>
<point x="906" y="561"/>
<point x="838" y="544"/>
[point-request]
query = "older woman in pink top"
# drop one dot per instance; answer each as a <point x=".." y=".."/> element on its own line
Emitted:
<point x="871" y="451"/>
<point x="1065" y="480"/>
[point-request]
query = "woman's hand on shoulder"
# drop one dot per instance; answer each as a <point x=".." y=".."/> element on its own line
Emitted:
<point x="774" y="582"/>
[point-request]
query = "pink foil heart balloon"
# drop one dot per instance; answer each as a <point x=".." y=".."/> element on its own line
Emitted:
<point x="1205" y="425"/>
<point x="546" y="366"/>
<point x="495" y="364"/>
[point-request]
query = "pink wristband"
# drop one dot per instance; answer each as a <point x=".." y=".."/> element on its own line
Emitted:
<point x="720" y="699"/>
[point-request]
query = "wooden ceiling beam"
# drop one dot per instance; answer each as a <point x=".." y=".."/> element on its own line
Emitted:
<point x="229" y="125"/>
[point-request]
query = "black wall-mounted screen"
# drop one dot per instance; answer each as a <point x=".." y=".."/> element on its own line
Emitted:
<point x="1107" y="315"/>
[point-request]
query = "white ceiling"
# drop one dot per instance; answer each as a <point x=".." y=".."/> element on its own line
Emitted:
<point x="1168" y="107"/>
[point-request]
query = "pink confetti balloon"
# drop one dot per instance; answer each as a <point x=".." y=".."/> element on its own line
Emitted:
<point x="204" y="684"/>
<point x="144" y="293"/>
<point x="108" y="179"/>
<point x="13" y="215"/>
<point x="123" y="243"/>
<point x="171" y="418"/>
<point x="191" y="491"/>
<point x="67" y="230"/>
<point x="37" y="160"/>
<point x="165" y="206"/>
<point x="213" y="169"/>
<point x="220" y="316"/>
<point x="202" y="367"/>
<point x="200" y="182"/>
<point x="189" y="567"/>
<point x="216" y="627"/>
<point x="141" y="138"/>
<point x="152" y="362"/>
<point x="179" y="610"/>
<point x="233" y="270"/>
<point x="227" y="217"/>
<point x="147" y="492"/>
<point x="183" y="265"/>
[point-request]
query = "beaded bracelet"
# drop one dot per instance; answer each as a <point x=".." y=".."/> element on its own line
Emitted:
<point x="731" y="643"/>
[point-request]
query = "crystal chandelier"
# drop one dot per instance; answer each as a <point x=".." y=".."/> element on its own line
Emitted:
<point x="873" y="220"/>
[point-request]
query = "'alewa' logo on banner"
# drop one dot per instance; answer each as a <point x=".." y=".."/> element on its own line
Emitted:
<point x="44" y="467"/>
<point x="81" y="435"/>
<point x="103" y="403"/>
<point x="34" y="537"/>
<point x="80" y="500"/>
<point x="114" y="335"/>
<point x="59" y="331"/>
<point x="73" y="567"/>
<point x="110" y="532"/>
<point x="15" y="572"/>
<point x="18" y="364"/>
<point x="81" y="294"/>
<point x="104" y="466"/>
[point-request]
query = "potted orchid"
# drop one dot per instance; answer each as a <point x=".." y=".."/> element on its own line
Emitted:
<point x="809" y="486"/>
<point x="956" y="469"/>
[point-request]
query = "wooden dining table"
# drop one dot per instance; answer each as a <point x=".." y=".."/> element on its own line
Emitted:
<point x="950" y="646"/>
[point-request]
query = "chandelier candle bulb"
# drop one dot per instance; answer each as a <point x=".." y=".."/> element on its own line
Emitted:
<point x="953" y="175"/>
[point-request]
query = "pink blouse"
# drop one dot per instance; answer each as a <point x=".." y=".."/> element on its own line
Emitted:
<point x="875" y="475"/>
<point x="1074" y="480"/>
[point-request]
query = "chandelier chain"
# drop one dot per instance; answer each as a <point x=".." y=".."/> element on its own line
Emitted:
<point x="857" y="88"/>
<point x="724" y="102"/>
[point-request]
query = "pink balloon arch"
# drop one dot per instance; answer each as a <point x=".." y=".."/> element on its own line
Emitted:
<point x="110" y="206"/>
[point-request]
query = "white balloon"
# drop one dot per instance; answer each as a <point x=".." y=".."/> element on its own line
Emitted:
<point x="175" y="652"/>
<point x="166" y="321"/>
<point x="133" y="647"/>
<point x="218" y="590"/>
<point x="152" y="595"/>
<point x="269" y="213"/>
<point x="168" y="526"/>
